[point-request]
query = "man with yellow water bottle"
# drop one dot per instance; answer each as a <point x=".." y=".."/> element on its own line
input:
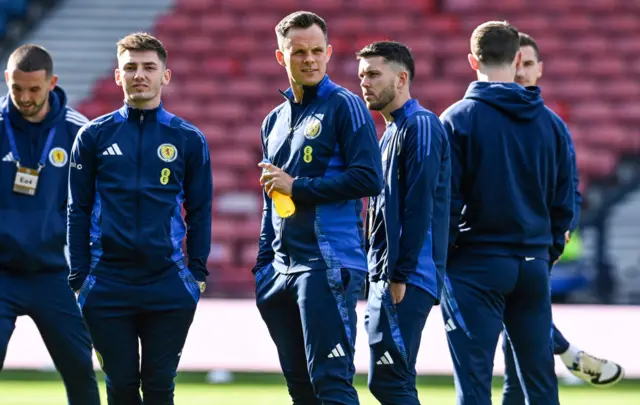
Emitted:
<point x="321" y="156"/>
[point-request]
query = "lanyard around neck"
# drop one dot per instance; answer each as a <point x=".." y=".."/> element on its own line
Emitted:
<point x="14" y="149"/>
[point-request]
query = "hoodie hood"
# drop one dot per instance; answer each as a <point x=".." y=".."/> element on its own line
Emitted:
<point x="57" y="102"/>
<point x="511" y="98"/>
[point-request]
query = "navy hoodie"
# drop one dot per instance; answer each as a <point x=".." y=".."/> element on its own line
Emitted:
<point x="33" y="228"/>
<point x="512" y="190"/>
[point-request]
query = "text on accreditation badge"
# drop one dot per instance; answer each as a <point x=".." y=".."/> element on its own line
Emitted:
<point x="26" y="181"/>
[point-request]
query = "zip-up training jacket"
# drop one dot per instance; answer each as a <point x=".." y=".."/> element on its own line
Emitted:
<point x="409" y="221"/>
<point x="328" y="143"/>
<point x="131" y="172"/>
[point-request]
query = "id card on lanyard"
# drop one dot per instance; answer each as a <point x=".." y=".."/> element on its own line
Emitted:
<point x="26" y="180"/>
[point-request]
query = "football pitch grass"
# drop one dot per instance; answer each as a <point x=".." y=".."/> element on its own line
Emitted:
<point x="37" y="388"/>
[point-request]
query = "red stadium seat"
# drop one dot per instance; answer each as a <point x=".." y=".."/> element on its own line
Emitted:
<point x="224" y="112"/>
<point x="247" y="135"/>
<point x="420" y="8"/>
<point x="221" y="254"/>
<point x="574" y="23"/>
<point x="440" y="25"/>
<point x="606" y="137"/>
<point x="350" y="25"/>
<point x="591" y="111"/>
<point x="216" y="24"/>
<point x="606" y="68"/>
<point x="595" y="163"/>
<point x="533" y="25"/>
<point x="260" y="23"/>
<point x="223" y="230"/>
<point x="233" y="158"/>
<point x="223" y="180"/>
<point x="172" y="25"/>
<point x="263" y="64"/>
<point x="329" y="7"/>
<point x="453" y="47"/>
<point x="193" y="7"/>
<point x="219" y="65"/>
<point x="595" y="46"/>
<point x="620" y="89"/>
<point x="596" y="6"/>
<point x="249" y="254"/>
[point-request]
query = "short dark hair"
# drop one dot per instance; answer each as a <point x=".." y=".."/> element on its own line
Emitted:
<point x="495" y="43"/>
<point x="390" y="51"/>
<point x="141" y="41"/>
<point x="300" y="19"/>
<point x="31" y="58"/>
<point x="527" y="40"/>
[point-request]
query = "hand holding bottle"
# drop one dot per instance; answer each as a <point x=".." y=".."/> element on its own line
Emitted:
<point x="279" y="186"/>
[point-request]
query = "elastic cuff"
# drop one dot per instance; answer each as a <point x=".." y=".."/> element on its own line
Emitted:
<point x="198" y="274"/>
<point x="399" y="278"/>
<point x="298" y="189"/>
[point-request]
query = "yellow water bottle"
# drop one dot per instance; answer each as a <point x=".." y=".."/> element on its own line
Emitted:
<point x="284" y="204"/>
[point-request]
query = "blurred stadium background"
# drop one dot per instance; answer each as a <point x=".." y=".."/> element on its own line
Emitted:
<point x="225" y="80"/>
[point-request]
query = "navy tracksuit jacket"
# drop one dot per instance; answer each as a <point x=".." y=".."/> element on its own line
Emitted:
<point x="408" y="235"/>
<point x="33" y="264"/>
<point x="328" y="144"/>
<point x="131" y="173"/>
<point x="409" y="222"/>
<point x="512" y="199"/>
<point x="311" y="266"/>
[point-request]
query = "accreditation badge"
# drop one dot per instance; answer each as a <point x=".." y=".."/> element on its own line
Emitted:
<point x="26" y="181"/>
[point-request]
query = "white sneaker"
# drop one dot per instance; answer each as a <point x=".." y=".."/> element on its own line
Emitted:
<point x="597" y="372"/>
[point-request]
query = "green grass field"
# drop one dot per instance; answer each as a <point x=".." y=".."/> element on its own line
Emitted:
<point x="34" y="388"/>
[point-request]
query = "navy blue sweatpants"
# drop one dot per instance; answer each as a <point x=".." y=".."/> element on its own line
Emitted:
<point x="49" y="301"/>
<point x="484" y="295"/>
<point x="512" y="393"/>
<point x="395" y="331"/>
<point x="158" y="316"/>
<point x="311" y="317"/>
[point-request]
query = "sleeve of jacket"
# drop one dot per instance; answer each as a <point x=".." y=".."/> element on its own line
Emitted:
<point x="441" y="208"/>
<point x="267" y="234"/>
<point x="457" y="158"/>
<point x="562" y="207"/>
<point x="82" y="179"/>
<point x="576" y="183"/>
<point x="422" y="152"/>
<point x="198" y="193"/>
<point x="358" y="143"/>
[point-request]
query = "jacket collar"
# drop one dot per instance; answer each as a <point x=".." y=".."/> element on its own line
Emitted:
<point x="409" y="108"/>
<point x="322" y="91"/>
<point x="135" y="114"/>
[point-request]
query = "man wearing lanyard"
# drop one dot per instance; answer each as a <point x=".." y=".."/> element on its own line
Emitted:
<point x="37" y="130"/>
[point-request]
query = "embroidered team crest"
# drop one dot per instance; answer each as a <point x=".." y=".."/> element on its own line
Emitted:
<point x="58" y="157"/>
<point x="313" y="129"/>
<point x="167" y="152"/>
